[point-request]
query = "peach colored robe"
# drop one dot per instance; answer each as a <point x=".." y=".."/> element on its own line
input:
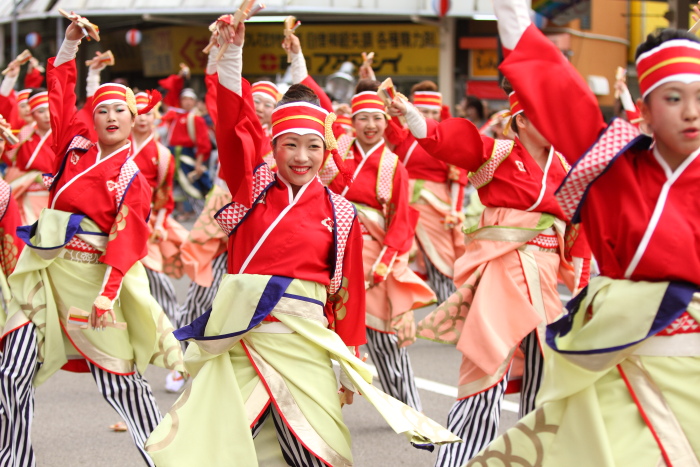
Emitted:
<point x="505" y="290"/>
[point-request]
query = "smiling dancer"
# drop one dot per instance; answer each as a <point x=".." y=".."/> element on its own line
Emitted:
<point x="262" y="357"/>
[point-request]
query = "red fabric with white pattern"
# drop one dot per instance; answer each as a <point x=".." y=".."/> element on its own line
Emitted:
<point x="484" y="175"/>
<point x="593" y="163"/>
<point x="684" y="324"/>
<point x="229" y="217"/>
<point x="344" y="217"/>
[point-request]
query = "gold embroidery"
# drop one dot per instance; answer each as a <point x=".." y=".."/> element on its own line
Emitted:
<point x="339" y="299"/>
<point x="119" y="222"/>
<point x="531" y="433"/>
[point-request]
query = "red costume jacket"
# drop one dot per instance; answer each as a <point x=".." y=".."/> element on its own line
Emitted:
<point x="308" y="243"/>
<point x="157" y="165"/>
<point x="639" y="216"/>
<point x="106" y="188"/>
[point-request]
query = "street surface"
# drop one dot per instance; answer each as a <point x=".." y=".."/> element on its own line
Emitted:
<point x="71" y="418"/>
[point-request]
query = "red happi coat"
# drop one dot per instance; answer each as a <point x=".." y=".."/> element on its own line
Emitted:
<point x="318" y="237"/>
<point x="639" y="216"/>
<point x="10" y="245"/>
<point x="33" y="152"/>
<point x="157" y="165"/>
<point x="106" y="188"/>
<point x="177" y="121"/>
<point x="400" y="218"/>
<point x="418" y="162"/>
<point x="9" y="109"/>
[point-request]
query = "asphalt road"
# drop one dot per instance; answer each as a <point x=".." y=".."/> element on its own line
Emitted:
<point x="71" y="419"/>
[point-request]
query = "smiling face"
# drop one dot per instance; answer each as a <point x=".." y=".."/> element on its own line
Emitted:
<point x="672" y="111"/>
<point x="369" y="128"/>
<point x="113" y="124"/>
<point x="298" y="157"/>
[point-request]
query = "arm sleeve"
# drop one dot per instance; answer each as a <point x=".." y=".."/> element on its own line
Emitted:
<point x="163" y="195"/>
<point x="7" y="85"/>
<point x="543" y="92"/>
<point x="395" y="133"/>
<point x="129" y="233"/>
<point x="11" y="245"/>
<point x="173" y="86"/>
<point x="401" y="218"/>
<point x="455" y="141"/>
<point x="298" y="65"/>
<point x="212" y="83"/>
<point x="33" y="79"/>
<point x="61" y="82"/>
<point x="241" y="140"/>
<point x="92" y="81"/>
<point x="203" y="143"/>
<point x="349" y="302"/>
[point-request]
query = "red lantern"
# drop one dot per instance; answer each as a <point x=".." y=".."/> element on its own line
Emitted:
<point x="133" y="37"/>
<point x="33" y="39"/>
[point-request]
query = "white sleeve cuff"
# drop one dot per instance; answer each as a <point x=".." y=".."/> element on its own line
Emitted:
<point x="230" y="67"/>
<point x="93" y="81"/>
<point x="416" y="122"/>
<point x="67" y="52"/>
<point x="513" y="19"/>
<point x="626" y="100"/>
<point x="8" y="84"/>
<point x="299" y="70"/>
<point x="211" y="60"/>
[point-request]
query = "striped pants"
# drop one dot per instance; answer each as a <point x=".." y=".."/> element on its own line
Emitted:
<point x="129" y="395"/>
<point x="475" y="419"/>
<point x="163" y="291"/>
<point x="442" y="285"/>
<point x="394" y="367"/>
<point x="295" y="454"/>
<point x="199" y="299"/>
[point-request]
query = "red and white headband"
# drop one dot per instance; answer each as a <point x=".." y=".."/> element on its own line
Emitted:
<point x="367" y="101"/>
<point x="23" y="96"/>
<point x="111" y="93"/>
<point x="674" y="60"/>
<point x="38" y="101"/>
<point x="266" y="89"/>
<point x="301" y="118"/>
<point x="428" y="100"/>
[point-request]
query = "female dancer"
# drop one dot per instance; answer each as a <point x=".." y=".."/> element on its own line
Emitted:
<point x="507" y="277"/>
<point x="293" y="301"/>
<point x="623" y="365"/>
<point x="80" y="296"/>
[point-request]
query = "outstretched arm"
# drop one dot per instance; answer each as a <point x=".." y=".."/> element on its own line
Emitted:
<point x="527" y="53"/>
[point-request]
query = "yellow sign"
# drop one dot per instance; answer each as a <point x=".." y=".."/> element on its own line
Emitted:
<point x="483" y="63"/>
<point x="400" y="49"/>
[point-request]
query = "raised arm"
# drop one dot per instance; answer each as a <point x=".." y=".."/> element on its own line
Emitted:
<point x="211" y="81"/>
<point x="239" y="134"/>
<point x="527" y="53"/>
<point x="456" y="140"/>
<point x="61" y="79"/>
